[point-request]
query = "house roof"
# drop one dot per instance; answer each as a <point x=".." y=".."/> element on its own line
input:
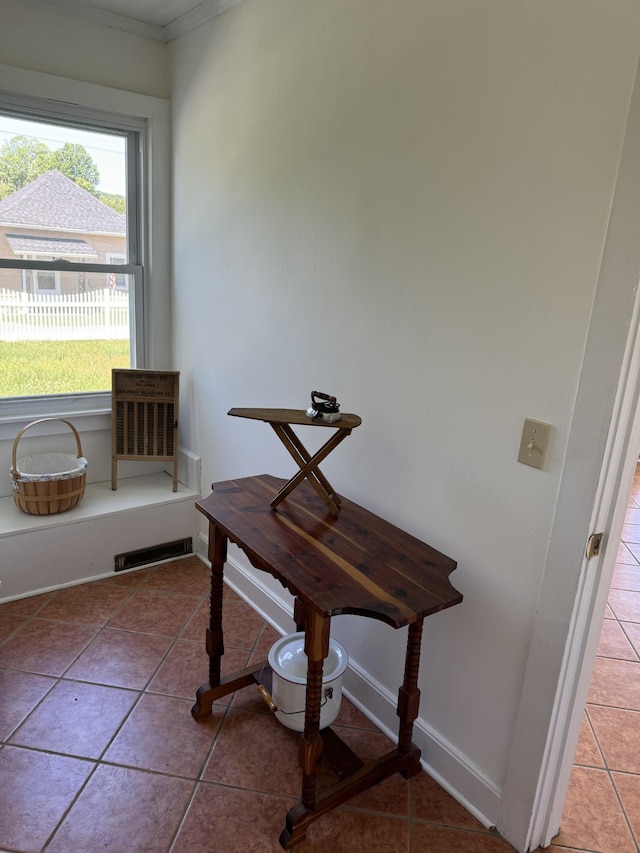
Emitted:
<point x="57" y="203"/>
<point x="60" y="247"/>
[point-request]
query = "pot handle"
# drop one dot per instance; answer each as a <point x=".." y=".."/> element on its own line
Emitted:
<point x="271" y="705"/>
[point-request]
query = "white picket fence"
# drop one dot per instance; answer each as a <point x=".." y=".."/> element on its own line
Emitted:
<point x="98" y="315"/>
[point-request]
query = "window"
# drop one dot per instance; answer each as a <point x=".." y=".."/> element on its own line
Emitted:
<point x="46" y="281"/>
<point x="144" y="122"/>
<point x="68" y="253"/>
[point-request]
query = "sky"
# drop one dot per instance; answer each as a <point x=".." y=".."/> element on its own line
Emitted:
<point x="108" y="151"/>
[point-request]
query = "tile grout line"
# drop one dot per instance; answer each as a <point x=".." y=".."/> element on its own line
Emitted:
<point x="597" y="740"/>
<point x="610" y="774"/>
<point x="96" y="762"/>
<point x="199" y="780"/>
<point x="99" y="761"/>
<point x="632" y="505"/>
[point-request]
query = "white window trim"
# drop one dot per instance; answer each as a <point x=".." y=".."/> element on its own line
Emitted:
<point x="66" y="98"/>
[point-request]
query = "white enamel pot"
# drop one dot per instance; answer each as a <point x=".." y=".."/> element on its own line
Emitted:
<point x="288" y="663"/>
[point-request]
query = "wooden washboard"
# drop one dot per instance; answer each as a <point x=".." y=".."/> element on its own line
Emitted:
<point x="144" y="418"/>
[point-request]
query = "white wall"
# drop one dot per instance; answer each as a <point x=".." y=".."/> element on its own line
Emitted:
<point x="405" y="204"/>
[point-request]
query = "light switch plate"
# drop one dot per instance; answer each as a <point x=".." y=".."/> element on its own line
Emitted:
<point x="534" y="441"/>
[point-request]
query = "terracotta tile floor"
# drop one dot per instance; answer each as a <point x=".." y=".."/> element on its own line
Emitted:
<point x="98" y="749"/>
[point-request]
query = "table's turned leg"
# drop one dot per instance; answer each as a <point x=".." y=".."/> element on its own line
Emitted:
<point x="357" y="776"/>
<point x="316" y="647"/>
<point x="214" y="637"/>
<point x="409" y="697"/>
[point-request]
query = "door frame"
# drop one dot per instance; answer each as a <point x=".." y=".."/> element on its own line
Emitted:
<point x="591" y="601"/>
<point x="602" y="447"/>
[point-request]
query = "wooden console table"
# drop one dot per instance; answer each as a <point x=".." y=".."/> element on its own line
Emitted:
<point x="354" y="563"/>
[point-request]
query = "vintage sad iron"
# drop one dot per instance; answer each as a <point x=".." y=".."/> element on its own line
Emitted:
<point x="324" y="408"/>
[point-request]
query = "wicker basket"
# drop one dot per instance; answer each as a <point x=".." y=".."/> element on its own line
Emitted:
<point x="48" y="483"/>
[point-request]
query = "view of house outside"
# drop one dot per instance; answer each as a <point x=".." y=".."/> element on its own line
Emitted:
<point x="62" y="202"/>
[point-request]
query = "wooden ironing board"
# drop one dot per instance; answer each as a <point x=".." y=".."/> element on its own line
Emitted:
<point x="281" y="421"/>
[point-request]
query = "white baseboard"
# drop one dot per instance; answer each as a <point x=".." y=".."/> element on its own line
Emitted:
<point x="440" y="759"/>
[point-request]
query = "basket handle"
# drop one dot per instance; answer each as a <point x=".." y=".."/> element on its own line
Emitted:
<point x="14" y="469"/>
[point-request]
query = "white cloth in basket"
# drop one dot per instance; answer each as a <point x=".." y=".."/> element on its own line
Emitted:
<point x="40" y="467"/>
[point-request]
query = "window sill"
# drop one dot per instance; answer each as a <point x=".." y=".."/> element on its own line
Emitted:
<point x="87" y="412"/>
<point x="99" y="501"/>
<point x="43" y="553"/>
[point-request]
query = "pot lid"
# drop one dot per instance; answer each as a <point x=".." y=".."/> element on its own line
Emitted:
<point x="288" y="659"/>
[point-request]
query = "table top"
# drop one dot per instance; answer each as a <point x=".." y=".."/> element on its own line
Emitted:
<point x="354" y="563"/>
<point x="295" y="416"/>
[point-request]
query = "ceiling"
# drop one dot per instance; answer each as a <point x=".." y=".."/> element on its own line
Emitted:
<point x="159" y="13"/>
<point x="158" y="19"/>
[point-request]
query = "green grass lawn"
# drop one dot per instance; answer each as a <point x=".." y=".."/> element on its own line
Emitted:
<point x="30" y="368"/>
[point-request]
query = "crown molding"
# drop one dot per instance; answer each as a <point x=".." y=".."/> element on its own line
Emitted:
<point x="205" y="11"/>
<point x="190" y="20"/>
<point x="81" y="11"/>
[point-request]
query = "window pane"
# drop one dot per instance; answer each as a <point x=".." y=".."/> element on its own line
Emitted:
<point x="44" y="280"/>
<point x="63" y="342"/>
<point x="62" y="201"/>
<point x="62" y="192"/>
